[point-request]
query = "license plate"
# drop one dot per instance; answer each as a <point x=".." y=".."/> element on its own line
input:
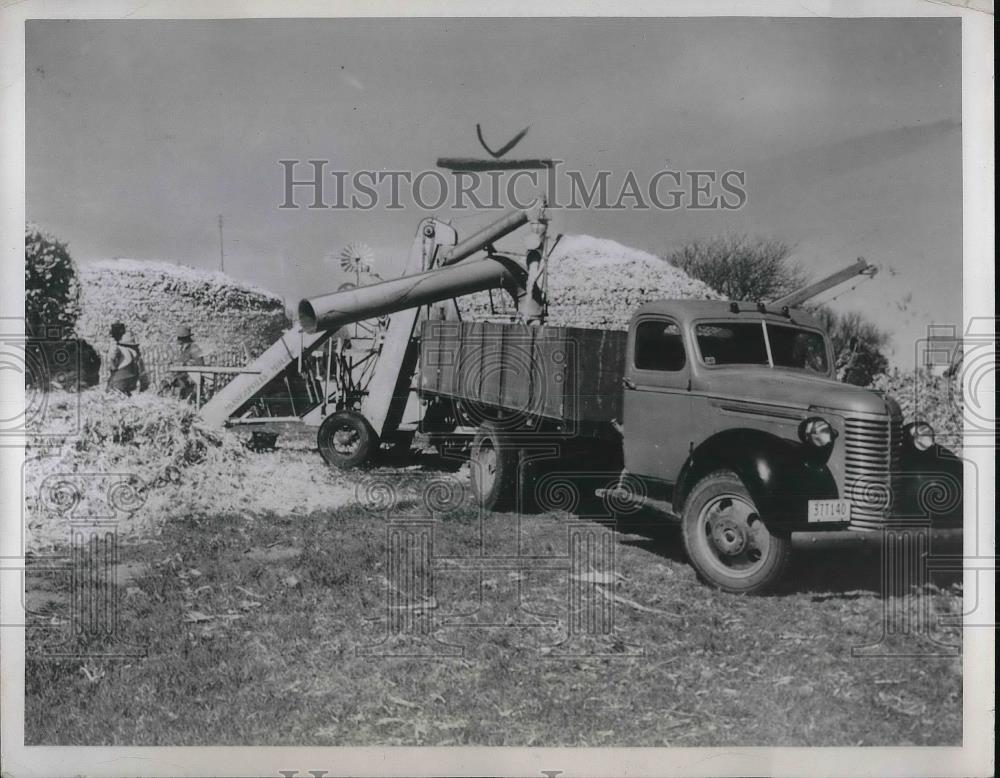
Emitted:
<point x="829" y="510"/>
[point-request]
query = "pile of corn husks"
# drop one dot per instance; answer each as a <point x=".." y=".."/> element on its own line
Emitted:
<point x="227" y="316"/>
<point x="936" y="399"/>
<point x="138" y="462"/>
<point x="597" y="283"/>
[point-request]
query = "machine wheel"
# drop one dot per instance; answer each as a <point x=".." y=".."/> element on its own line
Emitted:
<point x="346" y="440"/>
<point x="493" y="468"/>
<point x="727" y="541"/>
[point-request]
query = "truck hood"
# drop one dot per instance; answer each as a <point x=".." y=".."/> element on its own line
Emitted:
<point x="791" y="388"/>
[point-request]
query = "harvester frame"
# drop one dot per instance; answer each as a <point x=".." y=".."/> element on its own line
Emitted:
<point x="360" y="401"/>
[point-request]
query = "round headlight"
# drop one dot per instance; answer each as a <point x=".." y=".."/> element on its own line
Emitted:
<point x="816" y="432"/>
<point x="921" y="435"/>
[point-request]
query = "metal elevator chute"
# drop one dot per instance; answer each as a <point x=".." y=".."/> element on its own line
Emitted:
<point x="438" y="268"/>
<point x="332" y="311"/>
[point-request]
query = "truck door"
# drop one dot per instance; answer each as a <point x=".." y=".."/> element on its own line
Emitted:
<point x="657" y="401"/>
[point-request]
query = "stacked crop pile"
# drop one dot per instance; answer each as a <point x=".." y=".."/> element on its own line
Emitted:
<point x="228" y="317"/>
<point x="136" y="460"/>
<point x="145" y="460"/>
<point x="597" y="283"/>
<point x="936" y="399"/>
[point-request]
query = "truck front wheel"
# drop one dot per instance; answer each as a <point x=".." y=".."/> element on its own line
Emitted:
<point x="493" y="468"/>
<point x="726" y="539"/>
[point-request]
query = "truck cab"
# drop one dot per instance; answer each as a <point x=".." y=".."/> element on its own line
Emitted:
<point x="733" y="413"/>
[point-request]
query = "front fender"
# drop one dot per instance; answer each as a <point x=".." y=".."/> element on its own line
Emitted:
<point x="931" y="487"/>
<point x="775" y="470"/>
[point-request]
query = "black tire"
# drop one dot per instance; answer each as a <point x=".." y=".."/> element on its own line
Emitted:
<point x="726" y="540"/>
<point x="493" y="464"/>
<point x="346" y="440"/>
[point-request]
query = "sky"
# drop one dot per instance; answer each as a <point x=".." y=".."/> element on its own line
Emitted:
<point x="140" y="133"/>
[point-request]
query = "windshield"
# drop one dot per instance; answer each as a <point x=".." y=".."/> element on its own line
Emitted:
<point x="744" y="343"/>
<point x="732" y="343"/>
<point x="801" y="349"/>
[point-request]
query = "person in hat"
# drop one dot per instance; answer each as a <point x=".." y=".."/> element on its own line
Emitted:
<point x="184" y="384"/>
<point x="114" y="355"/>
<point x="126" y="372"/>
<point x="188" y="351"/>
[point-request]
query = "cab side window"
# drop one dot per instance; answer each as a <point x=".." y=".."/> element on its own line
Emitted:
<point x="658" y="346"/>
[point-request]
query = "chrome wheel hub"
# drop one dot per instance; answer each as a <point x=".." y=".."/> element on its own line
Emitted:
<point x="729" y="536"/>
<point x="735" y="537"/>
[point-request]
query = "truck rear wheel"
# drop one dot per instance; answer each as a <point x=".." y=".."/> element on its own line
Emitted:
<point x="493" y="468"/>
<point x="346" y="440"/>
<point x="726" y="539"/>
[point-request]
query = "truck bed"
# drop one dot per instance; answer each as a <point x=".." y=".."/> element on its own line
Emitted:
<point x="566" y="376"/>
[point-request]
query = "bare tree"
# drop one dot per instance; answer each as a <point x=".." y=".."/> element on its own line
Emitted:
<point x="741" y="267"/>
<point x="858" y="345"/>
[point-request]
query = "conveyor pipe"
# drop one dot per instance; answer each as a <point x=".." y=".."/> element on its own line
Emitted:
<point x="332" y="311"/>
<point x="491" y="233"/>
<point x="859" y="268"/>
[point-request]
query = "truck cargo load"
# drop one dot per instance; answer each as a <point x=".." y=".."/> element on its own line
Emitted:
<point x="566" y="376"/>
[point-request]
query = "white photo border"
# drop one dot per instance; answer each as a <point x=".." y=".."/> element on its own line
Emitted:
<point x="975" y="757"/>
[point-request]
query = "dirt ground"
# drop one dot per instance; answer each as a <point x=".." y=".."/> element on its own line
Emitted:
<point x="323" y="627"/>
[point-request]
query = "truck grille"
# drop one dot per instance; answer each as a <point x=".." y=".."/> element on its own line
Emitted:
<point x="871" y="460"/>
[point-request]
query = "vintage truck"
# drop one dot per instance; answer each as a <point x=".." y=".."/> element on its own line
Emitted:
<point x="729" y="411"/>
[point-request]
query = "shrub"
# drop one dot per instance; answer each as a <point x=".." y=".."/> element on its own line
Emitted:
<point x="52" y="307"/>
<point x="51" y="289"/>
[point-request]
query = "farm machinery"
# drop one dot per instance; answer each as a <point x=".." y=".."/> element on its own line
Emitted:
<point x="348" y="367"/>
<point x="729" y="413"/>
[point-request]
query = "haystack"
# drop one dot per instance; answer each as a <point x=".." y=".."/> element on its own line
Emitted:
<point x="229" y="318"/>
<point x="597" y="283"/>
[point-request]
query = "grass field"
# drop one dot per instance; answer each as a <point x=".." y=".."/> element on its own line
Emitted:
<point x="260" y="631"/>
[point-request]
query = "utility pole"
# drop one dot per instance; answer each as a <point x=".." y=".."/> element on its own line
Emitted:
<point x="222" y="251"/>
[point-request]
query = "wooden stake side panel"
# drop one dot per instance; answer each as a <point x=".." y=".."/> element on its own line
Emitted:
<point x="568" y="375"/>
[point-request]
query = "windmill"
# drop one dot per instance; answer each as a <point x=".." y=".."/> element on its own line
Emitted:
<point x="357" y="258"/>
<point x="366" y="339"/>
